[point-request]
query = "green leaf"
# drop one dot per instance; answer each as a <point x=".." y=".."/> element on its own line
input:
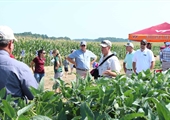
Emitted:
<point x="2" y="93"/>
<point x="25" y="109"/>
<point x="8" y="109"/>
<point x="62" y="115"/>
<point x="132" y="116"/>
<point x="41" y="85"/>
<point x="85" y="111"/>
<point x="40" y="117"/>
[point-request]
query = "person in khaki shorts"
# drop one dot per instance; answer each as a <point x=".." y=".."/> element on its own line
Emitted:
<point x="127" y="64"/>
<point x="166" y="57"/>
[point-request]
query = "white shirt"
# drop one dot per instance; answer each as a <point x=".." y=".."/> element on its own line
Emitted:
<point x="112" y="63"/>
<point x="143" y="59"/>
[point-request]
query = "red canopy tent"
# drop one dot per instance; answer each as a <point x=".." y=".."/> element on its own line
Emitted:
<point x="158" y="33"/>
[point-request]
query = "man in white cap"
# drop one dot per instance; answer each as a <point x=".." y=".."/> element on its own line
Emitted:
<point x="143" y="58"/>
<point x="82" y="59"/>
<point x="127" y="64"/>
<point x="15" y="76"/>
<point x="166" y="57"/>
<point x="111" y="66"/>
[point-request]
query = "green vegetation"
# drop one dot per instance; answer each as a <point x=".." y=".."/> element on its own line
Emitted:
<point x="142" y="97"/>
<point x="65" y="46"/>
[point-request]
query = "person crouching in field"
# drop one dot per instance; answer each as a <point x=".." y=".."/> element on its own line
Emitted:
<point x="39" y="62"/>
<point x="65" y="63"/>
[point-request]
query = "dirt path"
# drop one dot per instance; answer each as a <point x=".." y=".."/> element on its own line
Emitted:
<point x="50" y="74"/>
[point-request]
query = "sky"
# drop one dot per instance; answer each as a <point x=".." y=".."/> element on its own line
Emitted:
<point x="83" y="18"/>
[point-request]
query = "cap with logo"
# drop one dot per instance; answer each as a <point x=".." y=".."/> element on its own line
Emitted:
<point x="6" y="33"/>
<point x="106" y="43"/>
<point x="129" y="44"/>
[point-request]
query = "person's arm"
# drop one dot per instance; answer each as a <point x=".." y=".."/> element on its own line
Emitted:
<point x="94" y="60"/>
<point x="152" y="65"/>
<point x="134" y="67"/>
<point x="32" y="65"/>
<point x="58" y="64"/>
<point x="71" y="61"/>
<point x="110" y="73"/>
<point x="124" y="68"/>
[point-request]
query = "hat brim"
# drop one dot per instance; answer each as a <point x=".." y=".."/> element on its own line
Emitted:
<point x="103" y="45"/>
<point x="15" y="39"/>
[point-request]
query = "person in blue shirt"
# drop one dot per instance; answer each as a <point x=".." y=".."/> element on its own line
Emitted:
<point x="82" y="59"/>
<point x="15" y="76"/>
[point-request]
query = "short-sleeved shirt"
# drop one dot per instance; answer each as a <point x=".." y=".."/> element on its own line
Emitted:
<point x="39" y="64"/>
<point x="110" y="64"/>
<point x="82" y="58"/>
<point x="166" y="54"/>
<point x="13" y="73"/>
<point x="128" y="60"/>
<point x="143" y="59"/>
<point x="56" y="58"/>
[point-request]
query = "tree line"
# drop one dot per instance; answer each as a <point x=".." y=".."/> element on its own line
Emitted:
<point x="44" y="36"/>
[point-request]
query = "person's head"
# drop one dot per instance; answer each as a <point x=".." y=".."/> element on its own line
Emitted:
<point x="41" y="53"/>
<point x="149" y="46"/>
<point x="105" y="47"/>
<point x="7" y="39"/>
<point x="167" y="44"/>
<point x="129" y="47"/>
<point x="55" y="53"/>
<point x="83" y="45"/>
<point x="143" y="44"/>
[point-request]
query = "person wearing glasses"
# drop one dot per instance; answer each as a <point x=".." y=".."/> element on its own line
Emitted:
<point x="143" y="58"/>
<point x="82" y="59"/>
<point x="37" y="65"/>
<point x="15" y="76"/>
<point x="111" y="67"/>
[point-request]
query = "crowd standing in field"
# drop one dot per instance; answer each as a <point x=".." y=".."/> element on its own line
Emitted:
<point x="15" y="76"/>
<point x="37" y="65"/>
<point x="82" y="58"/>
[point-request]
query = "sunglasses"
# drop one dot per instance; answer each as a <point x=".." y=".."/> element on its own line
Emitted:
<point x="44" y="53"/>
<point x="82" y="45"/>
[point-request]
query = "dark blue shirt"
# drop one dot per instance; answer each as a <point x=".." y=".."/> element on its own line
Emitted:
<point x="15" y="76"/>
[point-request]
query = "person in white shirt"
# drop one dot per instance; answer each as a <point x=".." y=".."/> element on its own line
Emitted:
<point x="110" y="65"/>
<point x="143" y="58"/>
<point x="127" y="64"/>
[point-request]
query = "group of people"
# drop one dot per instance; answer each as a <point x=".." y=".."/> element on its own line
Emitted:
<point x="17" y="77"/>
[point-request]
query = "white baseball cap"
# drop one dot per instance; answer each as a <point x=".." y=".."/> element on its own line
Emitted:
<point x="106" y="43"/>
<point x="167" y="43"/>
<point x="129" y="44"/>
<point x="83" y="43"/>
<point x="6" y="33"/>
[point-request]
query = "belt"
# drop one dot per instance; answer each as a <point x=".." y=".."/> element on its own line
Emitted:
<point x="82" y="69"/>
<point x="129" y="69"/>
<point x="165" y="61"/>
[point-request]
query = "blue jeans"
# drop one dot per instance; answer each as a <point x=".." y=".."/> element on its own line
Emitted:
<point x="38" y="76"/>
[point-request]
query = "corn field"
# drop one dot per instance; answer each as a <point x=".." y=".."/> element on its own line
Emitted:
<point x="65" y="46"/>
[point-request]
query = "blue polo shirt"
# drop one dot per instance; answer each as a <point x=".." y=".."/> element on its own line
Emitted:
<point x="82" y="59"/>
<point x="15" y="76"/>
